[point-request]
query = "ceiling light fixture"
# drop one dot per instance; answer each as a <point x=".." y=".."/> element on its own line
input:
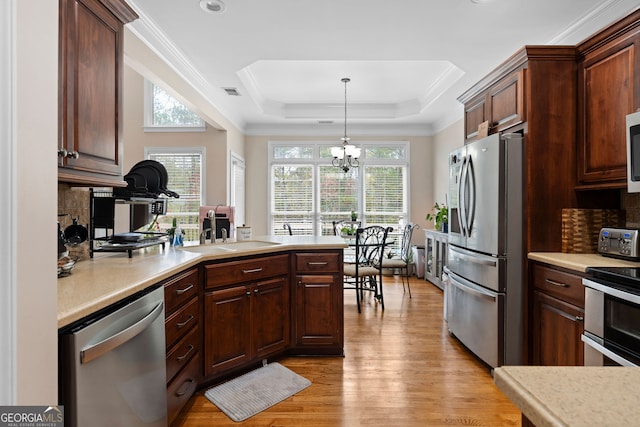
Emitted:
<point x="212" y="6"/>
<point x="345" y="157"/>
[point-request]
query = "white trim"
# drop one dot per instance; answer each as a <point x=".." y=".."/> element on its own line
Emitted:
<point x="8" y="216"/>
<point x="240" y="211"/>
<point x="148" y="113"/>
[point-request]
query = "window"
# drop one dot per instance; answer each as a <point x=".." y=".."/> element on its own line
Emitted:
<point x="186" y="177"/>
<point x="237" y="188"/>
<point x="164" y="113"/>
<point x="309" y="193"/>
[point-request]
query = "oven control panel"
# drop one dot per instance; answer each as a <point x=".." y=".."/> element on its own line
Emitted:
<point x="619" y="243"/>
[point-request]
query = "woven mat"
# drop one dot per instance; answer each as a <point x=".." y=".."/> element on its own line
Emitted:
<point x="255" y="391"/>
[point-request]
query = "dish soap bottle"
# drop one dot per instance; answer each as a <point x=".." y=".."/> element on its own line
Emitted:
<point x="177" y="237"/>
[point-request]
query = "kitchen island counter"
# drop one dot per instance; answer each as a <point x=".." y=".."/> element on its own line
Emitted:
<point x="110" y="277"/>
<point x="572" y="395"/>
<point x="579" y="262"/>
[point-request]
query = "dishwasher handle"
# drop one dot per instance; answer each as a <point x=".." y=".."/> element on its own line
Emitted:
<point x="94" y="351"/>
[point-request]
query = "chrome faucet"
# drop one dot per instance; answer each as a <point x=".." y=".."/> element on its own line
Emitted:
<point x="203" y="235"/>
<point x="212" y="218"/>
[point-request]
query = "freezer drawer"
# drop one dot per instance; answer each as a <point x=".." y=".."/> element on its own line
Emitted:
<point x="474" y="316"/>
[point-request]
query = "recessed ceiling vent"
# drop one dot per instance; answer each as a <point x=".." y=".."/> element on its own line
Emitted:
<point x="231" y="91"/>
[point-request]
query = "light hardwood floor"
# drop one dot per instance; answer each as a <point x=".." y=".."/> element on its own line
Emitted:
<point x="401" y="368"/>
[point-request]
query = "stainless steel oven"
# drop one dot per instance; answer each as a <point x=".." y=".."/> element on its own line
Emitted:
<point x="612" y="320"/>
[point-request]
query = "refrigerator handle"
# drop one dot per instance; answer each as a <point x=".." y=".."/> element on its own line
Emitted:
<point x="462" y="216"/>
<point x="471" y="209"/>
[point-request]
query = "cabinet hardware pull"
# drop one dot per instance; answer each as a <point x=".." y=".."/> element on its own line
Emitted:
<point x="318" y="263"/>
<point x="185" y="387"/>
<point x="62" y="152"/>
<point x="255" y="291"/>
<point x="182" y="291"/>
<point x="73" y="155"/>
<point x="248" y="293"/>
<point x="554" y="283"/>
<point x="255" y="270"/>
<point x="183" y="324"/>
<point x="579" y="318"/>
<point x="181" y="358"/>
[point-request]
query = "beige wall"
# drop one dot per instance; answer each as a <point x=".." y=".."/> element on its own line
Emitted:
<point x="225" y="137"/>
<point x="136" y="139"/>
<point x="443" y="143"/>
<point x="36" y="186"/>
<point x="420" y="177"/>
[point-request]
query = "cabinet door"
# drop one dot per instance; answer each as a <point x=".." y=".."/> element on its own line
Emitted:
<point x="319" y="320"/>
<point x="271" y="326"/>
<point x="607" y="89"/>
<point x="227" y="320"/>
<point x="90" y="88"/>
<point x="429" y="257"/>
<point x="506" y="102"/>
<point x="557" y="327"/>
<point x="474" y="115"/>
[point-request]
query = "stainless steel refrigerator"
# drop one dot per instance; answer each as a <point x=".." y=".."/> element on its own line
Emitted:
<point x="484" y="291"/>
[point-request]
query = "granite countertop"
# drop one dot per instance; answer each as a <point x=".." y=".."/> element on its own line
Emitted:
<point x="112" y="276"/>
<point x="573" y="395"/>
<point x="579" y="262"/>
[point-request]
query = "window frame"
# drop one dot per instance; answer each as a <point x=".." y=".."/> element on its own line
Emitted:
<point x="149" y="126"/>
<point x="316" y="161"/>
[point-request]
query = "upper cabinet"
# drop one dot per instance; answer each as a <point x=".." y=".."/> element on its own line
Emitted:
<point x="90" y="91"/>
<point x="609" y="89"/>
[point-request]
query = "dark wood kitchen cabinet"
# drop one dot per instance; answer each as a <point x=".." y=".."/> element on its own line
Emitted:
<point x="502" y="105"/>
<point x="609" y="89"/>
<point x="183" y="338"/>
<point x="318" y="325"/>
<point x="246" y="312"/>
<point x="557" y="317"/>
<point x="90" y="143"/>
<point x="534" y="92"/>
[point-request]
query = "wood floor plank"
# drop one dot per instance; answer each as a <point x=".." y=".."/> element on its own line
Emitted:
<point x="401" y="368"/>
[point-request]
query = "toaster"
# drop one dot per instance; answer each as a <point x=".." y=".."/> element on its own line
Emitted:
<point x="619" y="243"/>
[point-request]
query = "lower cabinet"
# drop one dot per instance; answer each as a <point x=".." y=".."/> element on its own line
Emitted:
<point x="318" y="326"/>
<point x="248" y="320"/>
<point x="183" y="339"/>
<point x="435" y="256"/>
<point x="557" y="317"/>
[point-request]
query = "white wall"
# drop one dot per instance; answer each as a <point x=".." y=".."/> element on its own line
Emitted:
<point x="36" y="91"/>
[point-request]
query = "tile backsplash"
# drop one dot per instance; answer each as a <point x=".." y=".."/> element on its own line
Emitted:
<point x="73" y="202"/>
<point x="630" y="203"/>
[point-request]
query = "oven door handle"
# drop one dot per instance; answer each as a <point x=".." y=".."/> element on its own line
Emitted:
<point x="606" y="352"/>
<point x="626" y="296"/>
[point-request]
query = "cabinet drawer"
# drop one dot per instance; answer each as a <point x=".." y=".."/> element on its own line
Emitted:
<point x="563" y="285"/>
<point x="180" y="354"/>
<point x="318" y="262"/>
<point x="182" y="387"/>
<point x="180" y="322"/>
<point x="227" y="273"/>
<point x="180" y="289"/>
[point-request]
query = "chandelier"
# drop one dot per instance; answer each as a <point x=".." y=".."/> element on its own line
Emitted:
<point x="345" y="157"/>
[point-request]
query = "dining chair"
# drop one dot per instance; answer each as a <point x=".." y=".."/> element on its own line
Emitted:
<point x="337" y="227"/>
<point x="365" y="272"/>
<point x="402" y="261"/>
<point x="287" y="227"/>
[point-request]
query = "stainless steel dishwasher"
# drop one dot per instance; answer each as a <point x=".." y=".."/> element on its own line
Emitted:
<point x="112" y="366"/>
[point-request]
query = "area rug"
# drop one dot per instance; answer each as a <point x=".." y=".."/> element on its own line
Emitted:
<point x="255" y="391"/>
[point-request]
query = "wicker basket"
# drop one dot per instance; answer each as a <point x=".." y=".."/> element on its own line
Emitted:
<point x="580" y="228"/>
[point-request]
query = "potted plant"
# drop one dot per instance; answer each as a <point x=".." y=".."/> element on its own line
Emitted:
<point x="354" y="216"/>
<point x="440" y="216"/>
<point x="348" y="231"/>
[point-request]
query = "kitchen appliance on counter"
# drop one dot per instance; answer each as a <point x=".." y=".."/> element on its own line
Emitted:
<point x="621" y="243"/>
<point x="112" y="365"/>
<point x="485" y="261"/>
<point x="612" y="316"/>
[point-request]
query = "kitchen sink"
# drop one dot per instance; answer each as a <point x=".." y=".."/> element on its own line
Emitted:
<point x="228" y="247"/>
